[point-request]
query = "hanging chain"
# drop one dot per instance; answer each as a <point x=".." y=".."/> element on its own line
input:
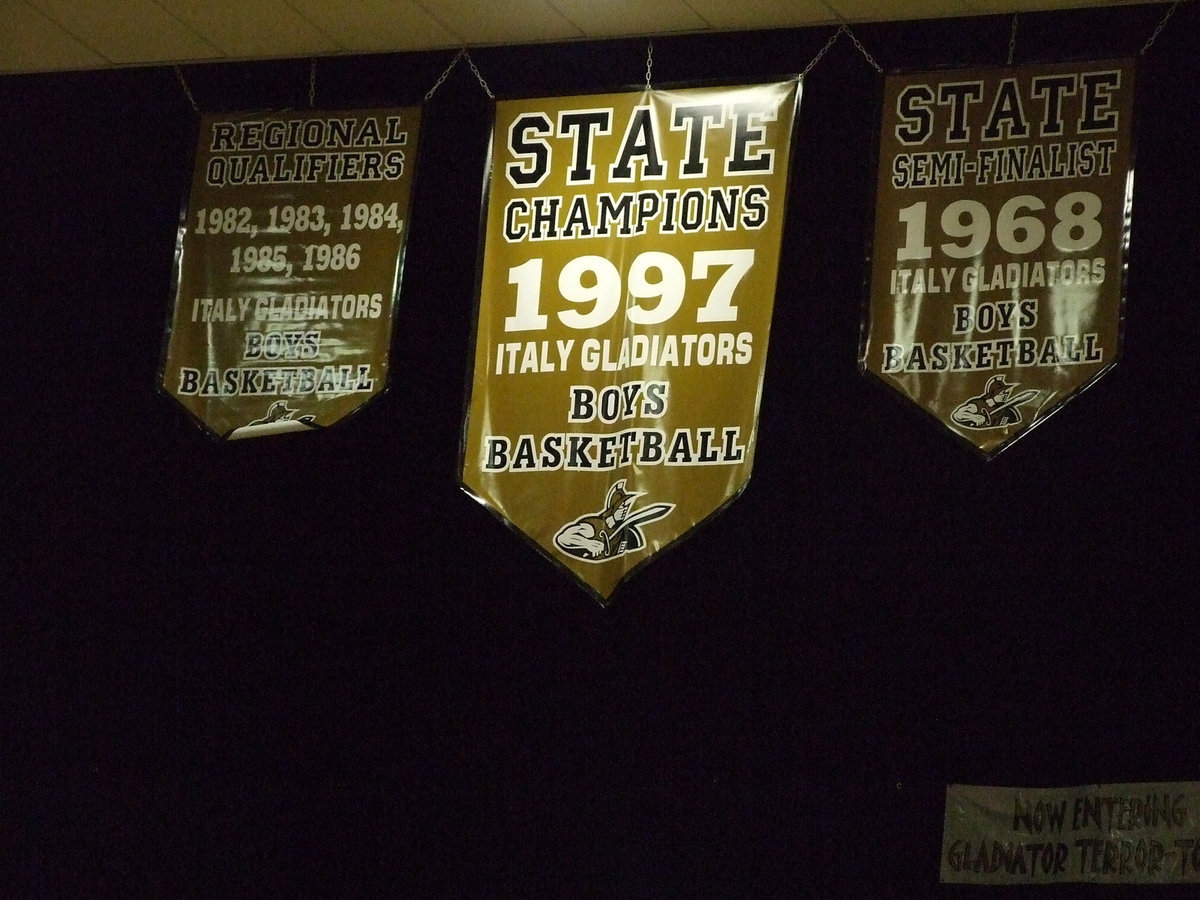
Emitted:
<point x="863" y="50"/>
<point x="816" y="59"/>
<point x="446" y="74"/>
<point x="1012" y="40"/>
<point x="186" y="90"/>
<point x="842" y="29"/>
<point x="450" y="68"/>
<point x="312" y="84"/>
<point x="1161" y="26"/>
<point x="649" y="61"/>
<point x="479" y="77"/>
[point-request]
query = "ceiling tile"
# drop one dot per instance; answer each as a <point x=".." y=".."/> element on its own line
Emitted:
<point x="1008" y="6"/>
<point x="754" y="14"/>
<point x="874" y="11"/>
<point x="241" y="29"/>
<point x="617" y="18"/>
<point x="31" y="42"/>
<point x="502" y="21"/>
<point x="128" y="31"/>
<point x="49" y="35"/>
<point x="376" y="25"/>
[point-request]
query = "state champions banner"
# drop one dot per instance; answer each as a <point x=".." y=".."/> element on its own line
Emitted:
<point x="629" y="265"/>
<point x="1002" y="220"/>
<point x="288" y="262"/>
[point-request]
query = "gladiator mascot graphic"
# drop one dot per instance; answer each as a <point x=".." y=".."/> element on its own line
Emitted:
<point x="996" y="407"/>
<point x="279" y="419"/>
<point x="612" y="532"/>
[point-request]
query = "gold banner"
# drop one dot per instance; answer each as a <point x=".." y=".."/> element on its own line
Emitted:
<point x="1145" y="833"/>
<point x="287" y="267"/>
<point x="629" y="267"/>
<point x="1001" y="230"/>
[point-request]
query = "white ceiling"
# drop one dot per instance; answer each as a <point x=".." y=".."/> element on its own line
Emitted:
<point x="56" y="35"/>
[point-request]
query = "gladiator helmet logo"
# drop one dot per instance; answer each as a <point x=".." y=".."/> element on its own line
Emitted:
<point x="996" y="407"/>
<point x="280" y="418"/>
<point x="613" y="531"/>
<point x="280" y="412"/>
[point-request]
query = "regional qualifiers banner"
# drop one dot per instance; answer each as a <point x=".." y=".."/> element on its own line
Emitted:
<point x="1001" y="228"/>
<point x="629" y="267"/>
<point x="287" y="266"/>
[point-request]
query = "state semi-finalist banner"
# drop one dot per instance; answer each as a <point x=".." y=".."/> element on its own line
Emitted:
<point x="1002" y="218"/>
<point x="1142" y="833"/>
<point x="629" y="267"/>
<point x="287" y="266"/>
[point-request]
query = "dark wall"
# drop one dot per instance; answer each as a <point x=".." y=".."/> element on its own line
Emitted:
<point x="310" y="664"/>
